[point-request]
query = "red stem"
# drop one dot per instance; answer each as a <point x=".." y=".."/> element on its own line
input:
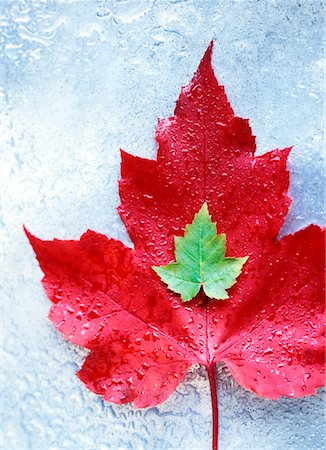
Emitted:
<point x="213" y="387"/>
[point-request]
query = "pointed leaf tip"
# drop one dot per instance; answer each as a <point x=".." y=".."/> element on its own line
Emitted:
<point x="209" y="51"/>
<point x="204" y="207"/>
<point x="28" y="234"/>
<point x="206" y="62"/>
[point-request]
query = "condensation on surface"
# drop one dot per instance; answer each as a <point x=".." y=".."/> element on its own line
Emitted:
<point x="81" y="79"/>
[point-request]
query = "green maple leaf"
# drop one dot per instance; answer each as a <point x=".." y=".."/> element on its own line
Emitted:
<point x="200" y="261"/>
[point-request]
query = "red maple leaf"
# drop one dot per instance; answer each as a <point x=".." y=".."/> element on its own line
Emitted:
<point x="142" y="339"/>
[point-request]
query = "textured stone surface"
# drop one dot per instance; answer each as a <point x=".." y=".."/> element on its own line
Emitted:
<point x="80" y="80"/>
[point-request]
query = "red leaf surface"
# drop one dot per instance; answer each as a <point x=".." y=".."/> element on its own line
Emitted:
<point x="141" y="338"/>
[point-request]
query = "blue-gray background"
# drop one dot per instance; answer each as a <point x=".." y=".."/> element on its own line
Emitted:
<point x="81" y="79"/>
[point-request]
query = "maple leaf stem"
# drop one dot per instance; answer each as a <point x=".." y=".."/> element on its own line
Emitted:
<point x="214" y="402"/>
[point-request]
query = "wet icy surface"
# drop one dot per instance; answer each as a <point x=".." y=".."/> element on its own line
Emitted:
<point x="80" y="80"/>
